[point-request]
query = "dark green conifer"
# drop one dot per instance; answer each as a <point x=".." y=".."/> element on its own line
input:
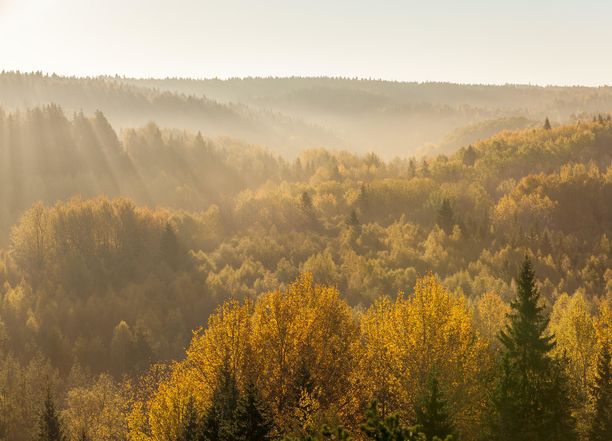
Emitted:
<point x="191" y="422"/>
<point x="50" y="426"/>
<point x="547" y="125"/>
<point x="219" y="423"/>
<point x="253" y="421"/>
<point x="531" y="400"/>
<point x="601" y="427"/>
<point x="432" y="414"/>
<point x="387" y="429"/>
<point x="446" y="216"/>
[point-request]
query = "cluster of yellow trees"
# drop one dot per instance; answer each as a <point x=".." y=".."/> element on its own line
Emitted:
<point x="315" y="360"/>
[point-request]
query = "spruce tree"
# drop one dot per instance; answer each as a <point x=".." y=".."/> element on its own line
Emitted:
<point x="50" y="426"/>
<point x="547" y="125"/>
<point x="253" y="421"/>
<point x="219" y="422"/>
<point x="432" y="415"/>
<point x="386" y="429"/>
<point x="601" y="428"/>
<point x="191" y="423"/>
<point x="531" y="399"/>
<point x="446" y="216"/>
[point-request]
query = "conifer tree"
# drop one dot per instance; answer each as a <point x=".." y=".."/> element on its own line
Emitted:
<point x="601" y="428"/>
<point x="353" y="221"/>
<point x="50" y="426"/>
<point x="219" y="422"/>
<point x="446" y="216"/>
<point x="386" y="429"/>
<point x="253" y="421"/>
<point x="432" y="415"/>
<point x="191" y="422"/>
<point x="170" y="249"/>
<point x="547" y="125"/>
<point x="531" y="398"/>
<point x="83" y="436"/>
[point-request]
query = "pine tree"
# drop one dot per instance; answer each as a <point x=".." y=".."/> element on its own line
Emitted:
<point x="547" y="125"/>
<point x="386" y="429"/>
<point x="191" y="422"/>
<point x="353" y="221"/>
<point x="83" y="436"/>
<point x="169" y="247"/>
<point x="431" y="413"/>
<point x="306" y="202"/>
<point x="219" y="422"/>
<point x="446" y="216"/>
<point x="469" y="156"/>
<point x="50" y="427"/>
<point x="531" y="399"/>
<point x="253" y="421"/>
<point x="601" y="428"/>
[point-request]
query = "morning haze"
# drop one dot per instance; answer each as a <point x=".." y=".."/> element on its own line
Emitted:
<point x="305" y="221"/>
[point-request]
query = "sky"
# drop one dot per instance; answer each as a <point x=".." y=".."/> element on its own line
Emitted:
<point x="562" y="42"/>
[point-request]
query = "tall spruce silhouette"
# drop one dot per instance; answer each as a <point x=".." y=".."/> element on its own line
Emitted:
<point x="531" y="402"/>
<point x="601" y="428"/>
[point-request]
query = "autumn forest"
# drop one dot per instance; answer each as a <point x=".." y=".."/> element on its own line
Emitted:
<point x="186" y="260"/>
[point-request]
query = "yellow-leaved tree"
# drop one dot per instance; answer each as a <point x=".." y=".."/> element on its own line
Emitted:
<point x="406" y="341"/>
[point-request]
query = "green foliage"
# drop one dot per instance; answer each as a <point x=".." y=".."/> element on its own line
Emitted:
<point x="601" y="426"/>
<point x="50" y="426"/>
<point x="531" y="400"/>
<point x="432" y="416"/>
<point x="387" y="429"/>
<point x="191" y="426"/>
<point x="253" y="420"/>
<point x="219" y="422"/>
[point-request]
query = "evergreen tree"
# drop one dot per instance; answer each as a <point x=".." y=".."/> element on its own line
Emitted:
<point x="219" y="422"/>
<point x="253" y="422"/>
<point x="386" y="429"/>
<point x="83" y="436"/>
<point x="191" y="422"/>
<point x="446" y="216"/>
<point x="431" y="413"/>
<point x="50" y="426"/>
<point x="353" y="221"/>
<point x="469" y="156"/>
<point x="170" y="249"/>
<point x="547" y="125"/>
<point x="306" y="202"/>
<point x="531" y="399"/>
<point x="601" y="428"/>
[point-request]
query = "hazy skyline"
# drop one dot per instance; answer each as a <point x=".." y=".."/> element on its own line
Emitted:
<point x="475" y="41"/>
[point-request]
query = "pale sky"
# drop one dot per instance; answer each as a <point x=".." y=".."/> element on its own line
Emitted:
<point x="561" y="42"/>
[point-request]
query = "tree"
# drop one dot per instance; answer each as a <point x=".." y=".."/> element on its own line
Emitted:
<point x="219" y="422"/>
<point x="386" y="429"/>
<point x="469" y="156"/>
<point x="169" y="247"/>
<point x="432" y="415"/>
<point x="353" y="221"/>
<point x="601" y="427"/>
<point x="530" y="399"/>
<point x="50" y="426"/>
<point x="253" y="421"/>
<point x="547" y="125"/>
<point x="191" y="422"/>
<point x="446" y="216"/>
<point x="83" y="436"/>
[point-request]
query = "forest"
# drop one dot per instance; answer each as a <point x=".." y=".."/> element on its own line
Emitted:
<point x="173" y="284"/>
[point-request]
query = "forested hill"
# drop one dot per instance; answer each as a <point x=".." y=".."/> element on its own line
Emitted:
<point x="172" y="224"/>
<point x="131" y="105"/>
<point x="289" y="115"/>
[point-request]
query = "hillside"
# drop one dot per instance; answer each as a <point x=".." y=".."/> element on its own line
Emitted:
<point x="288" y="115"/>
